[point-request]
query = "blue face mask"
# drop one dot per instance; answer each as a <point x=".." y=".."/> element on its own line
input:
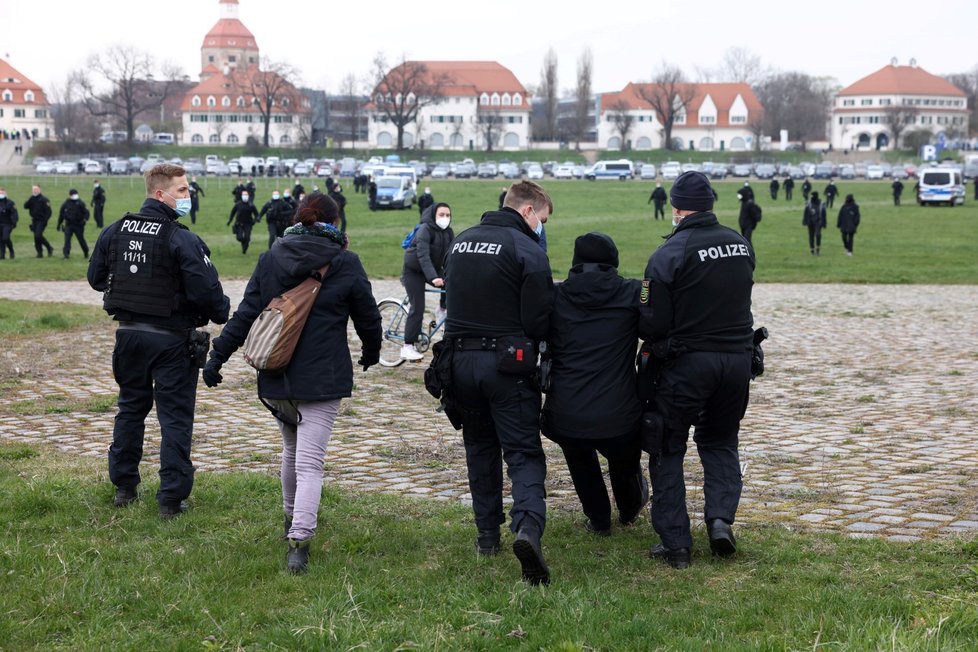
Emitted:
<point x="182" y="207"/>
<point x="539" y="229"/>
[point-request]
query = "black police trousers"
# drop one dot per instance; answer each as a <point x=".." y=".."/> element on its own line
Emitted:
<point x="710" y="391"/>
<point x="500" y="421"/>
<point x="148" y="367"/>
<point x="624" y="471"/>
<point x="77" y="230"/>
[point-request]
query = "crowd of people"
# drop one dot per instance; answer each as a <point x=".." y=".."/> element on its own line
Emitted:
<point x="73" y="215"/>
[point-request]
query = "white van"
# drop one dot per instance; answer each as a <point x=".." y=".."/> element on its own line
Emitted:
<point x="941" y="185"/>
<point x="163" y="138"/>
<point x="620" y="170"/>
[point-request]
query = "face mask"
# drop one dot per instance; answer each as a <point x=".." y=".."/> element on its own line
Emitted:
<point x="287" y="195"/>
<point x="275" y="195"/>
<point x="443" y="222"/>
<point x="244" y="197"/>
<point x="676" y="220"/>
<point x="182" y="207"/>
<point x="96" y="185"/>
<point x="74" y="197"/>
<point x="2" y="196"/>
<point x="35" y="193"/>
<point x="539" y="228"/>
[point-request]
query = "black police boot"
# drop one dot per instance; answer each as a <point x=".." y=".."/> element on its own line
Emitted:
<point x="124" y="496"/>
<point x="168" y="511"/>
<point x="675" y="557"/>
<point x="487" y="543"/>
<point x="297" y="557"/>
<point x="527" y="550"/>
<point x="628" y="519"/>
<point x="594" y="529"/>
<point x="50" y="251"/>
<point x="722" y="541"/>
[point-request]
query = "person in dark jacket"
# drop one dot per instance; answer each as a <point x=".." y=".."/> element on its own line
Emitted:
<point x="39" y="208"/>
<point x="336" y="194"/>
<point x="98" y="203"/>
<point x="695" y="316"/>
<point x="371" y="193"/>
<point x="500" y="294"/>
<point x="8" y="220"/>
<point x="167" y="288"/>
<point x="592" y="405"/>
<point x="897" y="191"/>
<point x="196" y="192"/>
<point x="244" y="214"/>
<point x="830" y="193"/>
<point x="775" y="186"/>
<point x="250" y="189"/>
<point x="502" y="199"/>
<point x="659" y="197"/>
<point x="814" y="218"/>
<point x="789" y="187"/>
<point x="305" y="397"/>
<point x="71" y="219"/>
<point x="806" y="189"/>
<point x="750" y="214"/>
<point x="424" y="262"/>
<point x="848" y="222"/>
<point x="425" y="201"/>
<point x="237" y="191"/>
<point x="277" y="213"/>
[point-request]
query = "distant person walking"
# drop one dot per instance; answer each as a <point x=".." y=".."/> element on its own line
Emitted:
<point x="39" y="208"/>
<point x="8" y="220"/>
<point x="848" y="222"/>
<point x="750" y="212"/>
<point x="830" y="192"/>
<point x="71" y="220"/>
<point x="806" y="189"/>
<point x="98" y="203"/>
<point x="775" y="186"/>
<point x="196" y="192"/>
<point x="897" y="186"/>
<point x="244" y="215"/>
<point x="814" y="218"/>
<point x="659" y="197"/>
<point x="789" y="187"/>
<point x="425" y="200"/>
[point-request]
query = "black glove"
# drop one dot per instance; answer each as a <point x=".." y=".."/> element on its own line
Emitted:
<point x="368" y="359"/>
<point x="212" y="373"/>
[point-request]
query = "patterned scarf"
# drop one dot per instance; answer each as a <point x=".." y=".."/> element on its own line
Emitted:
<point x="320" y="229"/>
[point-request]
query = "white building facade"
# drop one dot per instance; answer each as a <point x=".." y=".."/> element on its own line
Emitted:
<point x="24" y="109"/>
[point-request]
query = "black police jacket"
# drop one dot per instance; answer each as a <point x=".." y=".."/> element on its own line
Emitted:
<point x="321" y="368"/>
<point x="593" y="340"/>
<point x="498" y="280"/>
<point x="426" y="253"/>
<point x="698" y="288"/>
<point x="74" y="212"/>
<point x="848" y="220"/>
<point x="200" y="297"/>
<point x="243" y="213"/>
<point x="39" y="207"/>
<point x="8" y="211"/>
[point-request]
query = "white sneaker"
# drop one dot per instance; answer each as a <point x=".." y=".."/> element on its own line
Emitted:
<point x="440" y="314"/>
<point x="411" y="354"/>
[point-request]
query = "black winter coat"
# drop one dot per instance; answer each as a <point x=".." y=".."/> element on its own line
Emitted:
<point x="427" y="251"/>
<point x="593" y="340"/>
<point x="848" y="218"/>
<point x="321" y="368"/>
<point x="814" y="215"/>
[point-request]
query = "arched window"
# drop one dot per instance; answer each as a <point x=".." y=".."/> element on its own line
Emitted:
<point x="644" y="142"/>
<point x="232" y="139"/>
<point x="455" y="141"/>
<point x="285" y="101"/>
<point x="225" y="101"/>
<point x="284" y="140"/>
<point x="614" y="142"/>
<point x="408" y="139"/>
<point x="240" y="101"/>
<point x="7" y="95"/>
<point x="706" y="143"/>
<point x="437" y="140"/>
<point x="196" y="138"/>
<point x="511" y="140"/>
<point x="384" y="139"/>
<point x="29" y="96"/>
<point x="484" y="98"/>
<point x="195" y="100"/>
<point x="517" y="99"/>
<point x="214" y="139"/>
<point x="495" y="99"/>
<point x="737" y="143"/>
<point x="211" y="100"/>
<point x="507" y="100"/>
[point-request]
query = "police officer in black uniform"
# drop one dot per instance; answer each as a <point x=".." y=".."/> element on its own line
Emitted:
<point x="659" y="197"/>
<point x="500" y="294"/>
<point x="806" y="189"/>
<point x="335" y="192"/>
<point x="71" y="220"/>
<point x="830" y="192"/>
<point x="39" y="208"/>
<point x="696" y="317"/>
<point x="774" y="187"/>
<point x="297" y="190"/>
<point x="425" y="200"/>
<point x="244" y="214"/>
<point x="789" y="187"/>
<point x="98" y="203"/>
<point x="250" y="189"/>
<point x="238" y="190"/>
<point x="196" y="192"/>
<point x="278" y="212"/>
<point x="159" y="284"/>
<point x="897" y="186"/>
<point x="8" y="220"/>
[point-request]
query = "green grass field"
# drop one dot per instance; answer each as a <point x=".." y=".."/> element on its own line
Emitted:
<point x="909" y="244"/>
<point x="400" y="574"/>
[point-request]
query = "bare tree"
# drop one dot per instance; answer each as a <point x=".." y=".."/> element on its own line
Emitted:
<point x="349" y="88"/>
<point x="669" y="95"/>
<point x="622" y="119"/>
<point x="756" y="125"/>
<point x="490" y="123"/>
<point x="128" y="74"/>
<point x="582" y="100"/>
<point x="401" y="92"/>
<point x="72" y="122"/>
<point x="742" y="66"/>
<point x="271" y="89"/>
<point x="797" y="102"/>
<point x="968" y="82"/>
<point x="898" y="118"/>
<point x="548" y="91"/>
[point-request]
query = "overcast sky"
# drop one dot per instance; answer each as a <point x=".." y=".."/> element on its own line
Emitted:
<point x="629" y="39"/>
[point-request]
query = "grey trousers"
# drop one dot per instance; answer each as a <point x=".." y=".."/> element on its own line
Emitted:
<point x="303" y="455"/>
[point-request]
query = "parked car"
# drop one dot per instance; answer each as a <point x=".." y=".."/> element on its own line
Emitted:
<point x="898" y="172"/>
<point x="846" y="171"/>
<point x="487" y="170"/>
<point x="671" y="170"/>
<point x="824" y="171"/>
<point x="92" y="167"/>
<point x="218" y="169"/>
<point x="441" y="171"/>
<point x="534" y="171"/>
<point x="66" y="167"/>
<point x="874" y="172"/>
<point x="563" y="172"/>
<point x="164" y="138"/>
<point x="741" y="170"/>
<point x="464" y="170"/>
<point x="509" y="170"/>
<point x="691" y="167"/>
<point x="862" y="168"/>
<point x="301" y="169"/>
<point x="887" y="168"/>
<point x="795" y="172"/>
<point x="647" y="171"/>
<point x="764" y="171"/>
<point x="46" y="167"/>
<point x="718" y="172"/>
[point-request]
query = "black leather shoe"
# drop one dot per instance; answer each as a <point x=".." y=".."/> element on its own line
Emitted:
<point x="722" y="541"/>
<point x="590" y="527"/>
<point x="124" y="496"/>
<point x="628" y="519"/>
<point x="675" y="557"/>
<point x="169" y="511"/>
<point x="298" y="556"/>
<point x="527" y="550"/>
<point x="487" y="543"/>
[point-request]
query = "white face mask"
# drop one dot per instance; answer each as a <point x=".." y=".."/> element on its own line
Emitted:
<point x="274" y="195"/>
<point x="75" y="197"/>
<point x="676" y="219"/>
<point x="287" y="194"/>
<point x="443" y="222"/>
<point x="244" y="197"/>
<point x="3" y="195"/>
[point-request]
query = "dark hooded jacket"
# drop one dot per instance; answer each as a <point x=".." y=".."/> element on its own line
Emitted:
<point x="848" y="220"/>
<point x="593" y="340"/>
<point x="427" y="251"/>
<point x="321" y="368"/>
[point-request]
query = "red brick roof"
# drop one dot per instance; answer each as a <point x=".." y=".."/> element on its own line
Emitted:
<point x="11" y="79"/>
<point x="723" y="96"/>
<point x="902" y="80"/>
<point x="220" y="86"/>
<point x="472" y="78"/>
<point x="230" y="33"/>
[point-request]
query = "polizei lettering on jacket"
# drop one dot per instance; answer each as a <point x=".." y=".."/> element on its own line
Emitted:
<point x="489" y="248"/>
<point x="141" y="226"/>
<point x="723" y="251"/>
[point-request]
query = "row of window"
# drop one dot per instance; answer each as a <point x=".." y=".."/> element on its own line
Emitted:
<point x="516" y="99"/>
<point x="232" y="139"/>
<point x="226" y="101"/>
<point x="680" y="119"/>
<point x="8" y="95"/>
<point x="452" y="119"/>
<point x="231" y="58"/>
<point x="22" y="113"/>
<point x="915" y="120"/>
<point x="911" y="101"/>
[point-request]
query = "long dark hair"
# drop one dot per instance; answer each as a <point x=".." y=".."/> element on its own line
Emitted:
<point x="316" y="207"/>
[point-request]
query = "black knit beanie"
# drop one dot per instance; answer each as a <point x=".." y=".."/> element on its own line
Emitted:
<point x="691" y="192"/>
<point x="595" y="248"/>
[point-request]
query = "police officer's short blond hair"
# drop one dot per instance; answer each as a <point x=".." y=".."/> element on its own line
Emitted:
<point x="160" y="176"/>
<point x="524" y="192"/>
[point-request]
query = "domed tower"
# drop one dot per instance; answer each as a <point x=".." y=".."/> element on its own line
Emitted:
<point x="228" y="44"/>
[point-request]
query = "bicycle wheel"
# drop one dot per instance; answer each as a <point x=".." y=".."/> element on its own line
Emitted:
<point x="392" y="318"/>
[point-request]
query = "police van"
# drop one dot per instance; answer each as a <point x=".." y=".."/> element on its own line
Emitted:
<point x="941" y="186"/>
<point x="620" y="170"/>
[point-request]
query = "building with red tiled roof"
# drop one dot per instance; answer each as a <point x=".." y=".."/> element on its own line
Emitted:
<point x="229" y="43"/>
<point x="24" y="108"/>
<point x="717" y="118"/>
<point x="478" y="101"/>
<point x="864" y="112"/>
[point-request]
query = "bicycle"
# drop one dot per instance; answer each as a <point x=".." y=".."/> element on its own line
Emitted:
<point x="393" y="316"/>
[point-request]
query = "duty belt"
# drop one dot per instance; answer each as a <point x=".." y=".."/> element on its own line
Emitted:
<point x="474" y="343"/>
<point x="152" y="328"/>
